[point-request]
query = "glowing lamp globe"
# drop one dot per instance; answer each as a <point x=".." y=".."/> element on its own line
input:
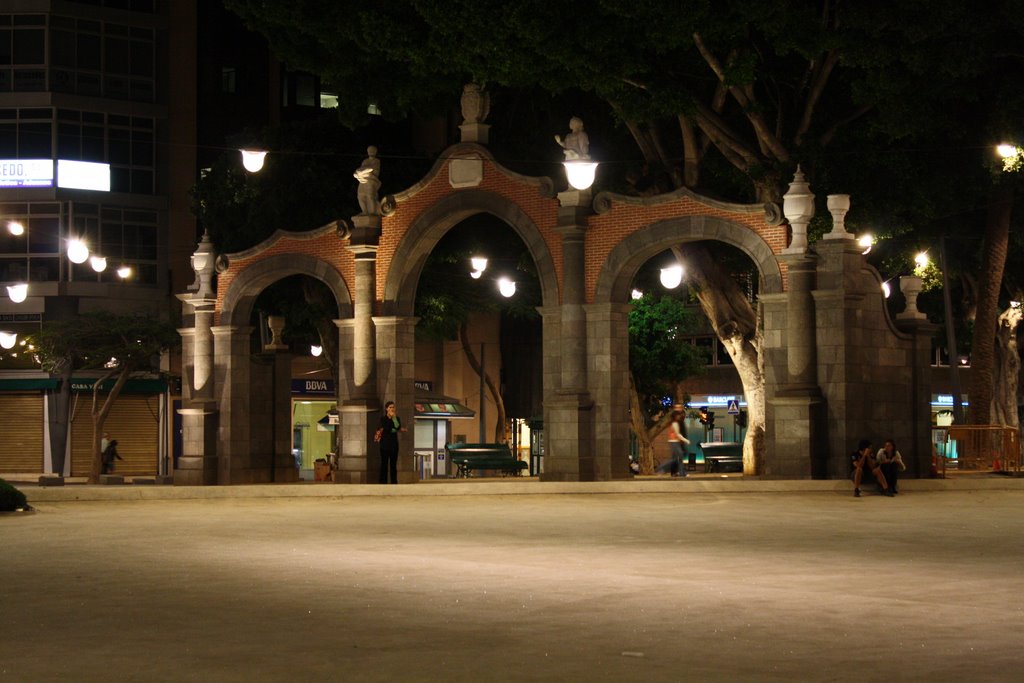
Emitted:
<point x="476" y="274"/>
<point x="580" y="173"/>
<point x="16" y="228"/>
<point x="672" y="276"/>
<point x="1006" y="150"/>
<point x="479" y="263"/>
<point x="252" y="159"/>
<point x="315" y="351"/>
<point x="506" y="287"/>
<point x="124" y="272"/>
<point x="8" y="339"/>
<point x="18" y="292"/>
<point x="98" y="263"/>
<point x="77" y="251"/>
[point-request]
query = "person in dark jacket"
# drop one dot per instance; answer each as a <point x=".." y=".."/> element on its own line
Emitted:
<point x="390" y="425"/>
<point x="110" y="454"/>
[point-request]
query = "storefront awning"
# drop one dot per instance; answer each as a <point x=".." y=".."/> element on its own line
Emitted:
<point x="439" y="407"/>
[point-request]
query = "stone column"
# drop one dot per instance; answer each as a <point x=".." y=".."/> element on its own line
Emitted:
<point x="797" y="408"/>
<point x="232" y="374"/>
<point x="396" y="356"/>
<point x="359" y="406"/>
<point x="281" y="462"/>
<point x="198" y="462"/>
<point x="608" y="369"/>
<point x="918" y="458"/>
<point x="569" y="412"/>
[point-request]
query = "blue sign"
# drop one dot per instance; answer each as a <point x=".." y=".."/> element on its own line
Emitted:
<point x="734" y="407"/>
<point x="317" y="387"/>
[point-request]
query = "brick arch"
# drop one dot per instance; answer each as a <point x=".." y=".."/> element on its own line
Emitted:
<point x="428" y="229"/>
<point x="236" y="307"/>
<point x="631" y="253"/>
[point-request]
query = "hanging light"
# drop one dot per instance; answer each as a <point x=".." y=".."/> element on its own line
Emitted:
<point x="124" y="272"/>
<point x="1006" y="150"/>
<point x="15" y="228"/>
<point x="636" y="294"/>
<point x="18" y="292"/>
<point x="476" y="274"/>
<point x="886" y="289"/>
<point x="98" y="263"/>
<point x="479" y="263"/>
<point x="506" y="287"/>
<point x="8" y="339"/>
<point x="315" y="351"/>
<point x="253" y="159"/>
<point x="866" y="242"/>
<point x="77" y="251"/>
<point x="672" y="276"/>
<point x="921" y="259"/>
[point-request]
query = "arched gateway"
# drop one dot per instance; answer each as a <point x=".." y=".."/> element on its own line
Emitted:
<point x="836" y="367"/>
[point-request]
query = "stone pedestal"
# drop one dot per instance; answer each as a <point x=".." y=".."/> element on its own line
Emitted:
<point x="798" y="450"/>
<point x="568" y="433"/>
<point x="197" y="465"/>
<point x="358" y="461"/>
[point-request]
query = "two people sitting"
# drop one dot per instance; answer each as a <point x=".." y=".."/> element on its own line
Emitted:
<point x="885" y="465"/>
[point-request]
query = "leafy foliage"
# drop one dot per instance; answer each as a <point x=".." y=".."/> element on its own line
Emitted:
<point x="659" y="356"/>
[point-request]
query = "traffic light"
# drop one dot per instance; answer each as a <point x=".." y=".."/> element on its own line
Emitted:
<point x="703" y="412"/>
<point x="711" y="419"/>
<point x="707" y="417"/>
<point x="741" y="419"/>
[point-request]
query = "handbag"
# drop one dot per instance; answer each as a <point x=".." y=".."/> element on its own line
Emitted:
<point x="378" y="434"/>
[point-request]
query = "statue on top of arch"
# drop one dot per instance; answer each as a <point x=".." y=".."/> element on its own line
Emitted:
<point x="575" y="145"/>
<point x="368" y="175"/>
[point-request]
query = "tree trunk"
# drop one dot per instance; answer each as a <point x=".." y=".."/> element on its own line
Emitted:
<point x="1004" y="395"/>
<point x="99" y="417"/>
<point x="990" y="282"/>
<point x="500" y="435"/>
<point x="644" y="443"/>
<point x="737" y="326"/>
<point x="60" y="420"/>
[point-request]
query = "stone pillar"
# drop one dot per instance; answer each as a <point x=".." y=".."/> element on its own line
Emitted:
<point x="359" y="406"/>
<point x="198" y="462"/>
<point x="396" y="357"/>
<point x="608" y="370"/>
<point x="232" y="375"/>
<point x="797" y="408"/>
<point x="918" y="457"/>
<point x="569" y="412"/>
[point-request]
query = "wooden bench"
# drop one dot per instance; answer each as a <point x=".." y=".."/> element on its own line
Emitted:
<point x="722" y="456"/>
<point x="483" y="456"/>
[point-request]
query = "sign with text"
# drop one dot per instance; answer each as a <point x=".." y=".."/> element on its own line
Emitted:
<point x="26" y="172"/>
<point x="316" y="387"/>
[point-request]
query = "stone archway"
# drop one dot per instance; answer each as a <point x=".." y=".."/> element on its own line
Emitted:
<point x="608" y="314"/>
<point x="427" y="230"/>
<point x="253" y="386"/>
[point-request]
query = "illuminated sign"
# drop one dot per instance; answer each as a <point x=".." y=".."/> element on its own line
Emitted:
<point x="83" y="175"/>
<point x="26" y="172"/>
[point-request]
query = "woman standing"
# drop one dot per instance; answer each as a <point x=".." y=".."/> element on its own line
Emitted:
<point x="677" y="441"/>
<point x="389" y="426"/>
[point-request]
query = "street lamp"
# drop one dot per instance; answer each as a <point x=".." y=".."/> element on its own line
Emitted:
<point x="315" y="351"/>
<point x="18" y="292"/>
<point x="77" y="251"/>
<point x="124" y="272"/>
<point x="8" y="339"/>
<point x="866" y="242"/>
<point x="507" y="287"/>
<point x="479" y="263"/>
<point x="672" y="276"/>
<point x="98" y="263"/>
<point x="15" y="228"/>
<point x="580" y="173"/>
<point x="252" y="159"/>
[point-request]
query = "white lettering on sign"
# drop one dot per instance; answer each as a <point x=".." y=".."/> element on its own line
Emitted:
<point x="316" y="385"/>
<point x="26" y="172"/>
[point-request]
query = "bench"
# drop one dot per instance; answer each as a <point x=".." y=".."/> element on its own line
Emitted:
<point x="483" y="456"/>
<point x="722" y="456"/>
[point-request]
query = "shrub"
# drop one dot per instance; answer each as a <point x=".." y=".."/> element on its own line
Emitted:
<point x="11" y="498"/>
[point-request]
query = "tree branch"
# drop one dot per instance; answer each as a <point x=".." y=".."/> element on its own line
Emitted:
<point x="817" y="88"/>
<point x="827" y="136"/>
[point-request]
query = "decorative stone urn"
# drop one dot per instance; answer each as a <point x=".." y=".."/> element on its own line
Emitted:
<point x="276" y="325"/>
<point x="798" y="205"/>
<point x="838" y="206"/>
<point x="911" y="286"/>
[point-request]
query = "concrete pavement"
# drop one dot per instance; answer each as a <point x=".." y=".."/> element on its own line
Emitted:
<point x="439" y="582"/>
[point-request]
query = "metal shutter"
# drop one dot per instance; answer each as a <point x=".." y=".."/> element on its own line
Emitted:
<point x="132" y="422"/>
<point x="21" y="423"/>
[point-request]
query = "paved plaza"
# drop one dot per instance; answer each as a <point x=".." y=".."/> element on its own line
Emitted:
<point x="690" y="585"/>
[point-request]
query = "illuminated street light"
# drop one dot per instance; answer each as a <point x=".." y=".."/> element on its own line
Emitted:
<point x="672" y="276"/>
<point x="866" y="242"/>
<point x="18" y="292"/>
<point x="15" y="228"/>
<point x="507" y="287"/>
<point x="253" y="159"/>
<point x="8" y="339"/>
<point x="1006" y="150"/>
<point x="315" y="351"/>
<point x="921" y="259"/>
<point x="580" y="173"/>
<point x="636" y="294"/>
<point x="479" y="264"/>
<point x="98" y="263"/>
<point x="124" y="272"/>
<point x="1013" y="156"/>
<point x="476" y="274"/>
<point x="77" y="251"/>
<point x="886" y="289"/>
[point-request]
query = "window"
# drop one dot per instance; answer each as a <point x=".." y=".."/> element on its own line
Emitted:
<point x="229" y="79"/>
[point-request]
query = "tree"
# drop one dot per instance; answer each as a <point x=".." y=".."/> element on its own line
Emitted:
<point x="659" y="360"/>
<point x="118" y="346"/>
